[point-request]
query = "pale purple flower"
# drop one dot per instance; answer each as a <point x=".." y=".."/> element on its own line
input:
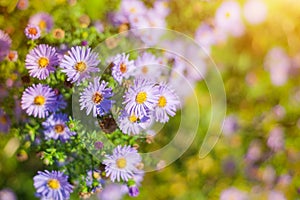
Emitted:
<point x="5" y="44"/>
<point x="96" y="98"/>
<point x="276" y="195"/>
<point x="52" y="185"/>
<point x="99" y="26"/>
<point x="79" y="63"/>
<point x="123" y="67"/>
<point x="255" y="11"/>
<point x="269" y="175"/>
<point x="122" y="164"/>
<point x="32" y="31"/>
<point x="7" y="194"/>
<point x="279" y="64"/>
<point x="161" y="8"/>
<point x="230" y="125"/>
<point x="43" y="20"/>
<point x="131" y="124"/>
<point x="141" y="98"/>
<point x="276" y="139"/>
<point x="167" y="104"/>
<point x="133" y="191"/>
<point x="254" y="152"/>
<point x="38" y="100"/>
<point x="112" y="192"/>
<point x="55" y="127"/>
<point x="233" y="194"/>
<point x="4" y="122"/>
<point x="205" y="36"/>
<point x="147" y="66"/>
<point x="41" y="61"/>
<point x="228" y="18"/>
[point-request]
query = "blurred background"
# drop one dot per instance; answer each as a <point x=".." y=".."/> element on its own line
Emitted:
<point x="256" y="46"/>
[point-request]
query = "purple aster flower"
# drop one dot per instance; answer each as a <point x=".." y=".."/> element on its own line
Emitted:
<point x="161" y="8"/>
<point x="41" y="61"/>
<point x="230" y="125"/>
<point x="255" y="11"/>
<point x="147" y="66"/>
<point x="112" y="192"/>
<point x="276" y="195"/>
<point x="5" y="44"/>
<point x="122" y="164"/>
<point x="43" y="20"/>
<point x="276" y="139"/>
<point x="52" y="185"/>
<point x="233" y="194"/>
<point x="4" y="122"/>
<point x="12" y="56"/>
<point x="60" y="103"/>
<point x="228" y="18"/>
<point x="122" y="68"/>
<point x="131" y="124"/>
<point x="96" y="98"/>
<point x="167" y="103"/>
<point x="141" y="98"/>
<point x="38" y="100"/>
<point x="79" y="63"/>
<point x="55" y="127"/>
<point x="279" y="64"/>
<point x="32" y="32"/>
<point x="205" y="36"/>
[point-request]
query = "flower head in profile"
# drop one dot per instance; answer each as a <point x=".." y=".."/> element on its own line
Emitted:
<point x="32" y="32"/>
<point x="141" y="98"/>
<point x="122" y="164"/>
<point x="167" y="103"/>
<point x="147" y="66"/>
<point x="122" y="68"/>
<point x="79" y="63"/>
<point x="55" y="127"/>
<point x="5" y="44"/>
<point x="96" y="98"/>
<point x="52" y="185"/>
<point x="41" y="61"/>
<point x="43" y="20"/>
<point x="38" y="100"/>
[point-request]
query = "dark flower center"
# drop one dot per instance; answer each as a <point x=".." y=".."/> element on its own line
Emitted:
<point x="123" y="68"/>
<point x="59" y="128"/>
<point x="32" y="31"/>
<point x="97" y="97"/>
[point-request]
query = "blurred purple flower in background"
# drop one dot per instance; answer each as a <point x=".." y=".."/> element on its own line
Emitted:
<point x="112" y="192"/>
<point x="5" y="44"/>
<point x="4" y="122"/>
<point x="230" y="125"/>
<point x="279" y="64"/>
<point x="233" y="194"/>
<point x="32" y="32"/>
<point x="7" y="194"/>
<point x="276" y="139"/>
<point x="123" y="67"/>
<point x="255" y="11"/>
<point x="43" y="20"/>
<point x="275" y="195"/>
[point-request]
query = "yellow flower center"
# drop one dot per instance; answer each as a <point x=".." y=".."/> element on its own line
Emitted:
<point x="80" y="66"/>
<point x="132" y="10"/>
<point x="59" y="128"/>
<point x="121" y="163"/>
<point x="54" y="184"/>
<point x="97" y="98"/>
<point x="145" y="69"/>
<point x="227" y="14"/>
<point x="32" y="31"/>
<point x="141" y="97"/>
<point x="96" y="175"/>
<point x="42" y="24"/>
<point x="39" y="100"/>
<point x="162" y="101"/>
<point x="133" y="118"/>
<point x="123" y="68"/>
<point x="43" y="62"/>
